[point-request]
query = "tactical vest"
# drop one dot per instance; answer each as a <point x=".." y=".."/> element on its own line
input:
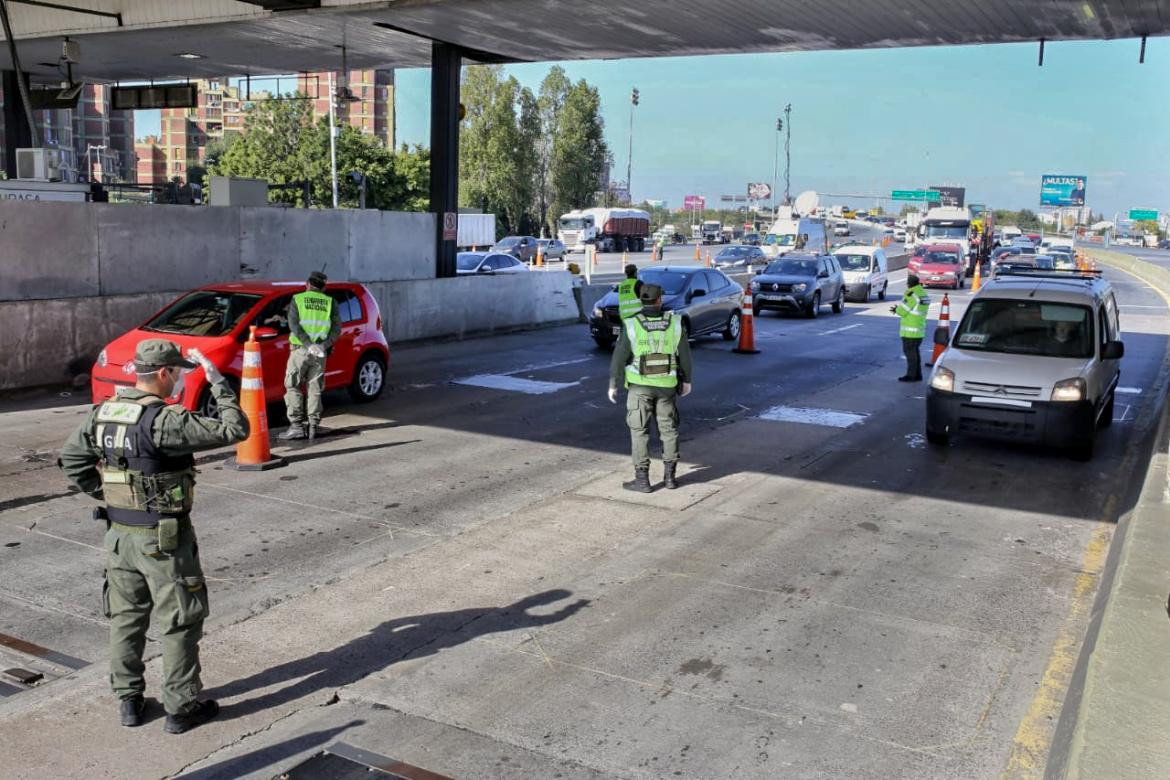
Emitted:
<point x="913" y="309"/>
<point x="314" y="310"/>
<point x="628" y="302"/>
<point x="654" y="343"/>
<point x="140" y="484"/>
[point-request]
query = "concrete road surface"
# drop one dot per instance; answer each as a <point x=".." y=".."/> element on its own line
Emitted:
<point x="455" y="578"/>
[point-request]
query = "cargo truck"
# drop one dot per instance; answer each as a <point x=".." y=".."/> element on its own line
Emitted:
<point x="713" y="232"/>
<point x="950" y="225"/>
<point x="610" y="230"/>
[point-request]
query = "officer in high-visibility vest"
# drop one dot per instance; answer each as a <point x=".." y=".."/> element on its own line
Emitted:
<point x="912" y="311"/>
<point x="314" y="324"/>
<point x="628" y="289"/>
<point x="134" y="453"/>
<point x="653" y="359"/>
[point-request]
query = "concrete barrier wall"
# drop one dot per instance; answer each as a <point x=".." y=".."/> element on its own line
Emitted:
<point x="71" y="250"/>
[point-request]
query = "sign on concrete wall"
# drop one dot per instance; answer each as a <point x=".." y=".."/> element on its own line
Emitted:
<point x="1062" y="190"/>
<point x="35" y="190"/>
<point x="450" y="226"/>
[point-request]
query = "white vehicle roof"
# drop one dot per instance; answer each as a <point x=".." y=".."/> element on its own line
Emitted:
<point x="949" y="213"/>
<point x="1075" y="288"/>
<point x="857" y="249"/>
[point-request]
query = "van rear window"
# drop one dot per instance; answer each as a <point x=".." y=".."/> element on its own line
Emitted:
<point x="1027" y="328"/>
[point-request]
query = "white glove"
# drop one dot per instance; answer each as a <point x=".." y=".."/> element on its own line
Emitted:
<point x="317" y="351"/>
<point x="686" y="389"/>
<point x="612" y="395"/>
<point x="209" y="369"/>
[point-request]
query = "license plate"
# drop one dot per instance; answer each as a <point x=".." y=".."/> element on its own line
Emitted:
<point x="769" y="296"/>
<point x="936" y="278"/>
<point x="617" y="331"/>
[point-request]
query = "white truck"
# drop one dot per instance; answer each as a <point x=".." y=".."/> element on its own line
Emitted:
<point x="476" y="230"/>
<point x="713" y="232"/>
<point x="610" y="230"/>
<point x="948" y="225"/>
<point x="793" y="232"/>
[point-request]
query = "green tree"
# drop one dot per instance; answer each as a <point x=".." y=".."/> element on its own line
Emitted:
<point x="270" y="149"/>
<point x="550" y="101"/>
<point x="579" y="152"/>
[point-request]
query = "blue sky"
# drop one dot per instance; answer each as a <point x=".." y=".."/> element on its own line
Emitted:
<point x="873" y="121"/>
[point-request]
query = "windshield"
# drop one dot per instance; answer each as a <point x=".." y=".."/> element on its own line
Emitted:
<point x="788" y="239"/>
<point x="938" y="231"/>
<point x="204" y="313"/>
<point x="671" y="282"/>
<point x="734" y="251"/>
<point x="1027" y="328"/>
<point x="468" y="261"/>
<point x="942" y="258"/>
<point x="510" y="241"/>
<point x="572" y="224"/>
<point x="853" y="262"/>
<point x="793" y="267"/>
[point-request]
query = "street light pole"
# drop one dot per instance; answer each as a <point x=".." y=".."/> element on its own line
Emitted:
<point x="776" y="164"/>
<point x="332" y="140"/>
<point x="630" y="158"/>
<point x="787" y="151"/>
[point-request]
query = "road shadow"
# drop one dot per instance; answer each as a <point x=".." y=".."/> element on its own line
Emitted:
<point x="300" y="457"/>
<point x="398" y="639"/>
<point x="256" y="760"/>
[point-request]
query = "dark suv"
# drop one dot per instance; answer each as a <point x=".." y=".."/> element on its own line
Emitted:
<point x="799" y="282"/>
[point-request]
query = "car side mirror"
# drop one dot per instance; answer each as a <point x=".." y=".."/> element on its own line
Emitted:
<point x="823" y="275"/>
<point x="265" y="333"/>
<point x="698" y="293"/>
<point x="942" y="336"/>
<point x="1113" y="350"/>
<point x="484" y="270"/>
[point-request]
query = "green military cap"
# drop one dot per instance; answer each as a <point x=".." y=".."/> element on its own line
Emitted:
<point x="318" y="279"/>
<point x="650" y="293"/>
<point x="153" y="354"/>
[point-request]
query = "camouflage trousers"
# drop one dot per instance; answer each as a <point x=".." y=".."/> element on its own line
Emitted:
<point x="304" y="369"/>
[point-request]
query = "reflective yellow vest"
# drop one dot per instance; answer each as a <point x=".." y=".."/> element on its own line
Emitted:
<point x="654" y="343"/>
<point x="915" y="303"/>
<point x="628" y="302"/>
<point x="314" y="310"/>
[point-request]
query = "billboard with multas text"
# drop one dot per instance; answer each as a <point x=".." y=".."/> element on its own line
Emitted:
<point x="1062" y="190"/>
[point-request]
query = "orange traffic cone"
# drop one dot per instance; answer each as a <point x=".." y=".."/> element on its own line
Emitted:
<point x="747" y="331"/>
<point x="697" y="255"/>
<point x="539" y="257"/>
<point x="977" y="280"/>
<point x="625" y="259"/>
<point x="253" y="453"/>
<point x="944" y="324"/>
<point x="708" y="258"/>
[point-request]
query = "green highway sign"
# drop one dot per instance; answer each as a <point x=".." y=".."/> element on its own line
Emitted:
<point x="915" y="195"/>
<point x="1138" y="215"/>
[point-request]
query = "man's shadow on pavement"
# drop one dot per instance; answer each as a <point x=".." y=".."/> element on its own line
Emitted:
<point x="395" y="640"/>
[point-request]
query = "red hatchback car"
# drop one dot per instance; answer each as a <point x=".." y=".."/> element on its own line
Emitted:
<point x="942" y="266"/>
<point x="217" y="318"/>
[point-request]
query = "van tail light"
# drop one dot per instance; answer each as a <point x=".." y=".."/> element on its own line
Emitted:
<point x="379" y="325"/>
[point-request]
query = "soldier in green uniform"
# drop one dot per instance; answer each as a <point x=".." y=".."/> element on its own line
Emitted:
<point x="912" y="312"/>
<point x="653" y="358"/>
<point x="314" y="324"/>
<point x="134" y="452"/>
<point x="628" y="288"/>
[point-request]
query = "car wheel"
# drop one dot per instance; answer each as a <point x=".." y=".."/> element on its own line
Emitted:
<point x="1083" y="450"/>
<point x="814" y="308"/>
<point x="606" y="344"/>
<point x="369" y="378"/>
<point x="882" y="294"/>
<point x="756" y="310"/>
<point x="937" y="438"/>
<point x="208" y="406"/>
<point x="731" y="332"/>
<point x="961" y="283"/>
<point x="839" y="304"/>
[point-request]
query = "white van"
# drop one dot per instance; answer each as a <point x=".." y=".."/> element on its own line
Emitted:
<point x="866" y="271"/>
<point x="1036" y="358"/>
<point x="786" y="235"/>
<point x="1051" y="241"/>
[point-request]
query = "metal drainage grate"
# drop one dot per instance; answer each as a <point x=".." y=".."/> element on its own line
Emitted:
<point x="340" y="761"/>
<point x="24" y="665"/>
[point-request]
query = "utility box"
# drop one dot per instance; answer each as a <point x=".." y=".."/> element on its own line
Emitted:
<point x="232" y="191"/>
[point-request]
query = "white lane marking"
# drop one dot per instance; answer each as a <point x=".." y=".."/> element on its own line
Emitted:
<point x="1140" y="306"/>
<point x="543" y="366"/>
<point x="1130" y="390"/>
<point x="515" y="384"/>
<point x="1123" y="414"/>
<point x="809" y="416"/>
<point x="838" y="330"/>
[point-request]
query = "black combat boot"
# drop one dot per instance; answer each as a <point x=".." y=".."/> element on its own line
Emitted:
<point x="312" y="431"/>
<point x="202" y="712"/>
<point x="131" y="710"/>
<point x="641" y="482"/>
<point x="295" y="431"/>
<point x="669" y="481"/>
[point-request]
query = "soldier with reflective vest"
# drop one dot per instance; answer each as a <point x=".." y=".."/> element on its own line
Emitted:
<point x="912" y="311"/>
<point x="314" y="325"/>
<point x="628" y="301"/>
<point x="134" y="452"/>
<point x="653" y="360"/>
